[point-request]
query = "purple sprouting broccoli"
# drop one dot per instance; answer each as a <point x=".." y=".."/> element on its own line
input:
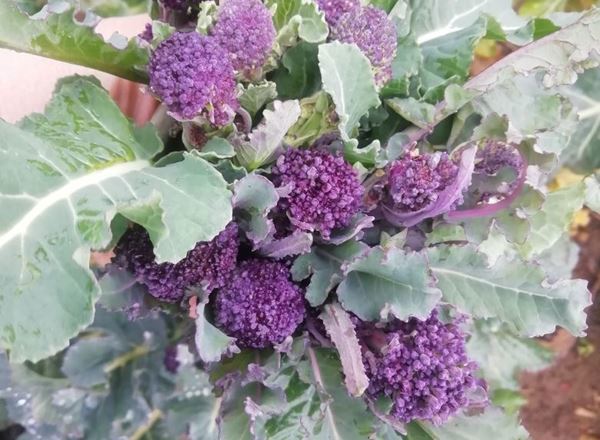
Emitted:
<point x="176" y="5"/>
<point x="192" y="75"/>
<point x="170" y="360"/>
<point x="207" y="265"/>
<point x="421" y="365"/>
<point x="334" y="9"/>
<point x="374" y="34"/>
<point x="421" y="186"/>
<point x="324" y="190"/>
<point x="259" y="305"/>
<point x="416" y="181"/>
<point x="245" y="29"/>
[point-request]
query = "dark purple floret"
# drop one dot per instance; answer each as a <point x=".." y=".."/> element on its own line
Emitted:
<point x="259" y="305"/>
<point x="193" y="76"/>
<point x="170" y="360"/>
<point x="415" y="181"/>
<point x="374" y="34"/>
<point x="207" y="265"/>
<point x="176" y="5"/>
<point x="334" y="9"/>
<point x="147" y="34"/>
<point x="324" y="190"/>
<point x="245" y="29"/>
<point x="421" y="365"/>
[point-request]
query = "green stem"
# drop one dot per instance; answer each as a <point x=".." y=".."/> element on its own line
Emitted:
<point x="153" y="417"/>
<point x="125" y="358"/>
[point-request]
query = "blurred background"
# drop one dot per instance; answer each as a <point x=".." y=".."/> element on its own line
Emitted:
<point x="559" y="403"/>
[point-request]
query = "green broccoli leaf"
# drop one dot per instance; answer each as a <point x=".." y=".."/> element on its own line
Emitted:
<point x="76" y="167"/>
<point x="59" y="36"/>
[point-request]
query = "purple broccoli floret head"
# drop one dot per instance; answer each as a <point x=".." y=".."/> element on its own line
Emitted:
<point x="259" y="305"/>
<point x="416" y="181"/>
<point x="421" y="365"/>
<point x="192" y="75"/>
<point x="334" y="9"/>
<point x="374" y="34"/>
<point x="421" y="186"/>
<point x="245" y="29"/>
<point x="207" y="265"/>
<point x="324" y="190"/>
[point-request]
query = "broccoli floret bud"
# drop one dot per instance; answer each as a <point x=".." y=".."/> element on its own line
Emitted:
<point x="334" y="9"/>
<point x="192" y="75"/>
<point x="324" y="190"/>
<point x="260" y="306"/>
<point x="207" y="265"/>
<point x="245" y="29"/>
<point x="374" y="34"/>
<point x="415" y="181"/>
<point x="421" y="365"/>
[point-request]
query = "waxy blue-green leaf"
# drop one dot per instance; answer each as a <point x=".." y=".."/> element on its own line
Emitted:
<point x="255" y="96"/>
<point x="210" y="342"/>
<point x="340" y="329"/>
<point x="501" y="355"/>
<point x="64" y="177"/>
<point x="448" y="60"/>
<point x="266" y="140"/>
<point x="86" y="359"/>
<point x="592" y="191"/>
<point x="59" y="36"/>
<point x="341" y="416"/>
<point x="388" y="281"/>
<point x="552" y="221"/>
<point x="297" y="76"/>
<point x="301" y="18"/>
<point x="583" y="150"/>
<point x="493" y="423"/>
<point x="253" y="198"/>
<point x="515" y="292"/>
<point x="348" y="78"/>
<point x="438" y="19"/>
<point x="324" y="263"/>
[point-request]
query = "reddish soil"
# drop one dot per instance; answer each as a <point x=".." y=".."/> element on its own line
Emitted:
<point x="563" y="402"/>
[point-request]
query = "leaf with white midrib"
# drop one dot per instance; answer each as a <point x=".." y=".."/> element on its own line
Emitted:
<point x="583" y="150"/>
<point x="388" y="281"/>
<point x="515" y="292"/>
<point x="344" y="417"/>
<point x="64" y="177"/>
<point x="348" y="78"/>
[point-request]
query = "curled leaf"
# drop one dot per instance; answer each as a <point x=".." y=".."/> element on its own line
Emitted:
<point x="341" y="331"/>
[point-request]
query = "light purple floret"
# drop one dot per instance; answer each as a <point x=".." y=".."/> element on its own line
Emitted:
<point x="259" y="305"/>
<point x="208" y="265"/>
<point x="245" y="29"/>
<point x="334" y="9"/>
<point x="374" y="34"/>
<point x="423" y="367"/>
<point x="192" y="75"/>
<point x="496" y="155"/>
<point x="324" y="190"/>
<point x="416" y="181"/>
